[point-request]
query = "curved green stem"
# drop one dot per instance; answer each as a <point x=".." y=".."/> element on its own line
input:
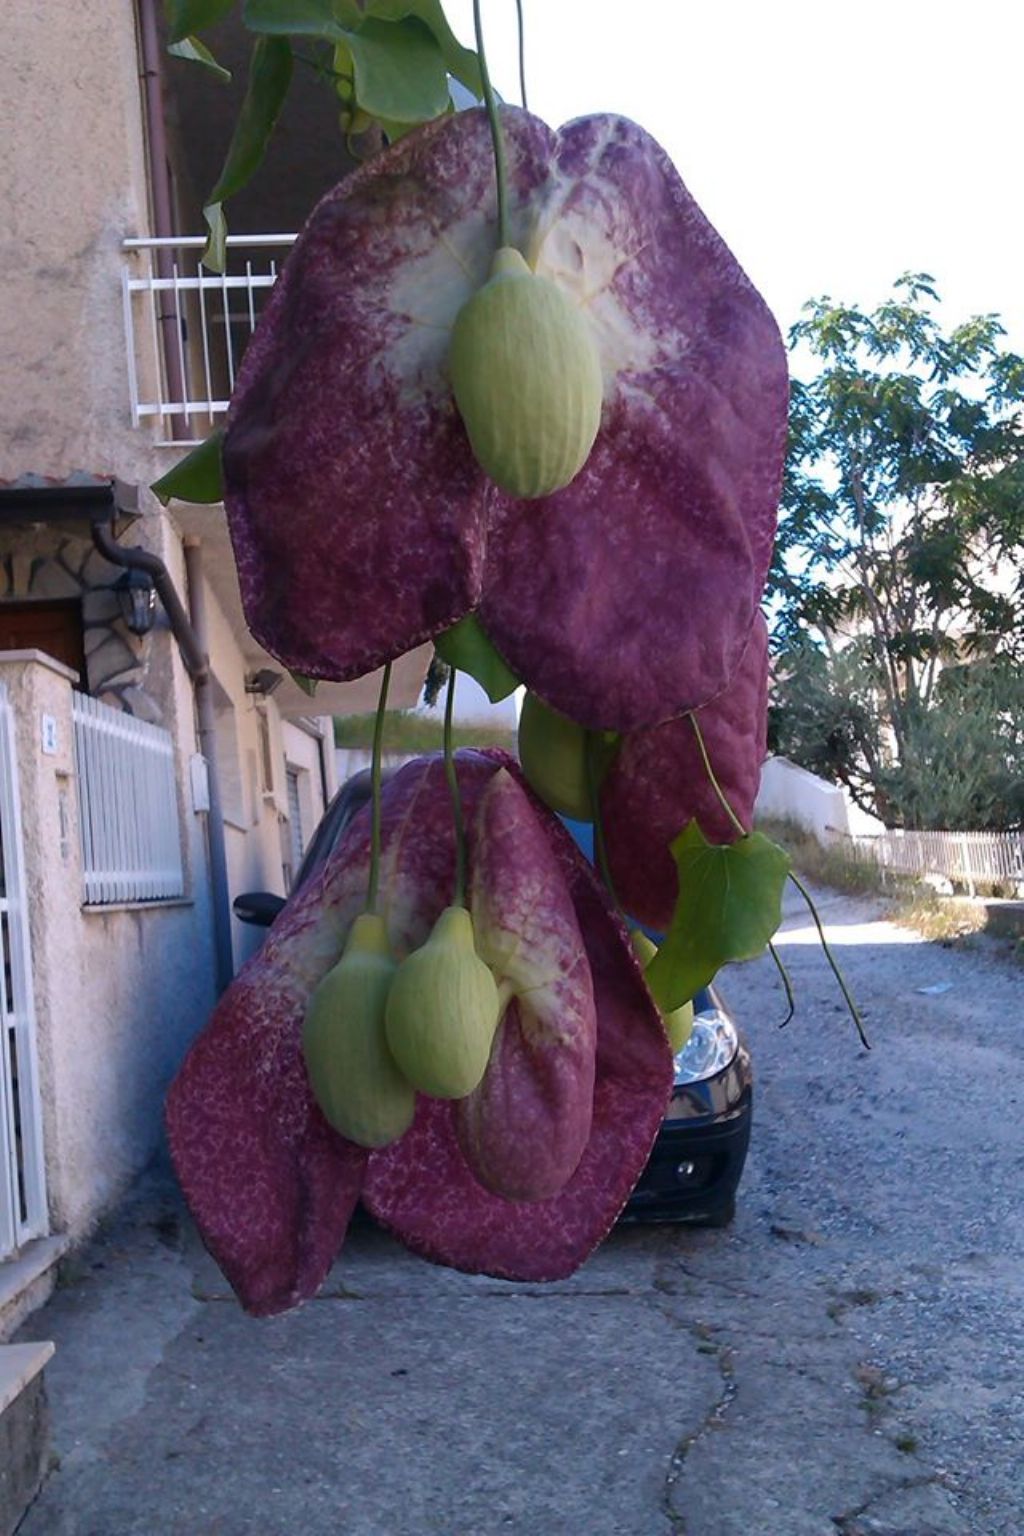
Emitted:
<point x="522" y="55"/>
<point x="459" y="898"/>
<point x="741" y="829"/>
<point x="837" y="973"/>
<point x="497" y="137"/>
<point x="727" y="808"/>
<point x="378" y="740"/>
<point x="593" y="794"/>
<point x="787" y="983"/>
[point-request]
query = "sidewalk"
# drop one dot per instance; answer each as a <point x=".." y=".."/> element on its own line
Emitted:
<point x="846" y="1360"/>
<point x="406" y="1399"/>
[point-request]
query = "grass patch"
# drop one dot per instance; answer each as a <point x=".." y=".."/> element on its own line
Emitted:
<point x="943" y="918"/>
<point x="408" y="733"/>
<point x="841" y="867"/>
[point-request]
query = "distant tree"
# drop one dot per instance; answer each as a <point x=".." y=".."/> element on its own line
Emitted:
<point x="898" y="584"/>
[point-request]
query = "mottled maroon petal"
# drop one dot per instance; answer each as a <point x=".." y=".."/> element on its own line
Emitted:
<point x="355" y="506"/>
<point x="627" y="597"/>
<point x="524" y="1129"/>
<point x="657" y="783"/>
<point x="270" y="1185"/>
<point x="422" y="1188"/>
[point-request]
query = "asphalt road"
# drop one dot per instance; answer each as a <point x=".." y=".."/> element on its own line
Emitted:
<point x="848" y="1358"/>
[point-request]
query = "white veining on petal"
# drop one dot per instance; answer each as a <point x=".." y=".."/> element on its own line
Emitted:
<point x="427" y="293"/>
<point x="583" y="249"/>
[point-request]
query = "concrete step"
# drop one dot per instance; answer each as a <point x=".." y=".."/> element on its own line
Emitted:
<point x="24" y="1429"/>
<point x="27" y="1280"/>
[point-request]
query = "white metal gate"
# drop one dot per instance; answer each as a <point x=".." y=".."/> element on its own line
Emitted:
<point x="22" y="1175"/>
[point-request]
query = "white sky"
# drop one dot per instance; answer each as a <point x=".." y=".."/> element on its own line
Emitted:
<point x="834" y="146"/>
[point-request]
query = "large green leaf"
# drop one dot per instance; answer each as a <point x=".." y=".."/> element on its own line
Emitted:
<point x="459" y="61"/>
<point x="270" y="73"/>
<point x="467" y="647"/>
<point x="399" y="62"/>
<point x="400" y="71"/>
<point x="184" y="17"/>
<point x="336" y="20"/>
<point x="195" y="52"/>
<point x="729" y="906"/>
<point x="197" y="477"/>
<point x="301" y="18"/>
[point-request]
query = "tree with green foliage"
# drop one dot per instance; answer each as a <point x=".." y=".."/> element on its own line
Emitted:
<point x="898" y="583"/>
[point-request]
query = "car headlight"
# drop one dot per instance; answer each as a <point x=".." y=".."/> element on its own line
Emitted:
<point x="712" y="1045"/>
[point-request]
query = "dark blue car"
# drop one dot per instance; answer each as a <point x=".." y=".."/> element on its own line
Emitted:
<point x="700" y="1150"/>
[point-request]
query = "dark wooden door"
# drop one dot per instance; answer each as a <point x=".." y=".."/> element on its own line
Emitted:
<point x="53" y="626"/>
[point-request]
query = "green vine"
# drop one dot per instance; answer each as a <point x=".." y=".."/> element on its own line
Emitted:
<point x="591" y="747"/>
<point x="497" y="137"/>
<point x="829" y="956"/>
<point x="719" y="791"/>
<point x="459" y="898"/>
<point x="378" y="741"/>
<point x="522" y="55"/>
<point x="787" y="984"/>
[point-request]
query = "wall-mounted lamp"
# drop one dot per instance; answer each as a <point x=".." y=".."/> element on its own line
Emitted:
<point x="264" y="682"/>
<point x="136" y="598"/>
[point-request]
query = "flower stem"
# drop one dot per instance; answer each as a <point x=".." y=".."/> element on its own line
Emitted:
<point x="787" y="983"/>
<point x="497" y="138"/>
<point x="459" y="898"/>
<point x="593" y="794"/>
<point x="522" y="55"/>
<point x="740" y="828"/>
<point x="378" y="740"/>
<point x="837" y="973"/>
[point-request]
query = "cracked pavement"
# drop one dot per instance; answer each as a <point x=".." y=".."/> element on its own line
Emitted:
<point x="846" y="1360"/>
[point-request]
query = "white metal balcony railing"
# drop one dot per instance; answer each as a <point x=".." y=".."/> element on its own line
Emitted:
<point x="127" y="806"/>
<point x="187" y="327"/>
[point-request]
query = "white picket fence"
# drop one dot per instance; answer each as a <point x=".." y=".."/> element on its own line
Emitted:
<point x="128" y="806"/>
<point x="969" y="858"/>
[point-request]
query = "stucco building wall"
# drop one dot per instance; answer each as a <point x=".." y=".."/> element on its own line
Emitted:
<point x="72" y="185"/>
<point x="118" y="991"/>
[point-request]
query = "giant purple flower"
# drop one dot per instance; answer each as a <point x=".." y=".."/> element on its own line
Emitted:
<point x="363" y="525"/>
<point x="520" y="1180"/>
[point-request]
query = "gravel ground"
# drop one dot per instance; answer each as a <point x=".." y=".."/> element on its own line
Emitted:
<point x="846" y="1359"/>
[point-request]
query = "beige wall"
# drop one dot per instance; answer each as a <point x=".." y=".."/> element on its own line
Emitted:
<point x="119" y="993"/>
<point x="72" y="185"/>
<point x="109" y="1035"/>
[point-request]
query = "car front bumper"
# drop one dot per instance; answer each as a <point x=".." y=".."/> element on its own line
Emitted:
<point x="700" y="1151"/>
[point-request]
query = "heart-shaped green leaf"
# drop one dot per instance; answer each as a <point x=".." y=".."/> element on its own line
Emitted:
<point x="399" y="70"/>
<point x="467" y="647"/>
<point x="399" y="52"/>
<point x="459" y="61"/>
<point x="196" y="477"/>
<point x="301" y="18"/>
<point x="730" y="904"/>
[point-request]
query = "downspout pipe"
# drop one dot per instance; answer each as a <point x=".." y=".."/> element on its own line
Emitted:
<point x="191" y="635"/>
<point x="135" y="558"/>
<point x="161" y="200"/>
